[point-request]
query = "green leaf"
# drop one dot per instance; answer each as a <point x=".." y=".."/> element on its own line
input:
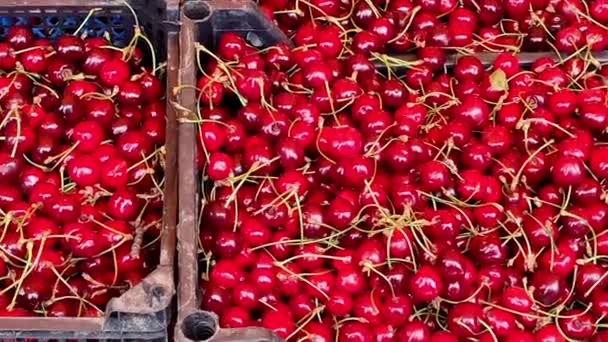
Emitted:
<point x="498" y="80"/>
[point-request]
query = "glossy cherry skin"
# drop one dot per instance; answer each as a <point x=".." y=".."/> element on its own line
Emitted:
<point x="123" y="204"/>
<point x="579" y="326"/>
<point x="464" y="319"/>
<point x="426" y="284"/>
<point x="63" y="208"/>
<point x="114" y="72"/>
<point x="84" y="170"/>
<point x="114" y="173"/>
<point x="354" y="331"/>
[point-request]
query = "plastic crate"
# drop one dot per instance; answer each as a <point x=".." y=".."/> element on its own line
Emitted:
<point x="204" y="22"/>
<point x="143" y="312"/>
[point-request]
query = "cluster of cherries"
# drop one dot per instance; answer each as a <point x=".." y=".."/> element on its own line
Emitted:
<point x="353" y="196"/>
<point x="431" y="27"/>
<point x="82" y="129"/>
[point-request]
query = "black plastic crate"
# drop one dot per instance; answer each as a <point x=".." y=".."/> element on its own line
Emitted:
<point x="203" y="22"/>
<point x="143" y="312"/>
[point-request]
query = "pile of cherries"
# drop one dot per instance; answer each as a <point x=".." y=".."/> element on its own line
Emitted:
<point x="414" y="203"/>
<point x="82" y="127"/>
<point x="430" y="27"/>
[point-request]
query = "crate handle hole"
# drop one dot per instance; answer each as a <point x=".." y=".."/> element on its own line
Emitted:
<point x="197" y="10"/>
<point x="199" y="326"/>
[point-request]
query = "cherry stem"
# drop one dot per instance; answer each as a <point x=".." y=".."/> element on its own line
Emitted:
<point x="161" y="150"/>
<point x="70" y="288"/>
<point x="411" y="17"/>
<point x="86" y="19"/>
<point x="370" y="267"/>
<point x="28" y="49"/>
<point x="488" y="329"/>
<point x="299" y="276"/>
<point x="18" y="138"/>
<point x="61" y="156"/>
<point x="29" y="267"/>
<point x="305" y="320"/>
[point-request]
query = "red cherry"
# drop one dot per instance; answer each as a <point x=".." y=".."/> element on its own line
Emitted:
<point x="84" y="170"/>
<point x="426" y="284"/>
<point x="114" y="72"/>
<point x="63" y="208"/>
<point x="114" y="173"/>
<point x="123" y="205"/>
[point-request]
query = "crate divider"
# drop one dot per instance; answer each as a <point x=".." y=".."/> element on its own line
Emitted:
<point x="203" y="22"/>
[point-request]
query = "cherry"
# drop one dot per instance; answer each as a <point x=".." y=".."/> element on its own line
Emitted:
<point x="468" y="68"/>
<point x="464" y="319"/>
<point x="70" y="48"/>
<point x="94" y="59"/>
<point x="227" y="244"/>
<point x="123" y="205"/>
<point x="19" y="37"/>
<point x="33" y="292"/>
<point x="578" y="325"/>
<point x="517" y="299"/>
<point x="600" y="305"/>
<point x="339" y="142"/>
<point x="234" y="317"/>
<point x="549" y="288"/>
<point x="114" y="72"/>
<point x="63" y="208"/>
<point x="425" y="285"/>
<point x="231" y="46"/>
<point x="364" y="306"/>
<point x="589" y="278"/>
<point x="82" y="241"/>
<point x="415" y="331"/>
<point x="339" y="304"/>
<point x="569" y="39"/>
<point x="354" y="331"/>
<point x="134" y="145"/>
<point x="154" y="129"/>
<point x="59" y="71"/>
<point x="254" y="85"/>
<point x="88" y="135"/>
<point x="568" y="171"/>
<point x="502" y="322"/>
<point x="101" y="111"/>
<point x="10" y="167"/>
<point x="114" y="172"/>
<point x="129" y="93"/>
<point x="549" y="333"/>
<point x="220" y="166"/>
<point x="84" y="170"/>
<point x="29" y="177"/>
<point x="473" y="111"/>
<point x="34" y="60"/>
<point x="594" y="116"/>
<point x="114" y="231"/>
<point x="443" y="336"/>
<point x="396" y="310"/>
<point x="151" y="87"/>
<point x="419" y="77"/>
<point x="39" y="227"/>
<point x="598" y="161"/>
<point x="8" y="60"/>
<point x="561" y="262"/>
